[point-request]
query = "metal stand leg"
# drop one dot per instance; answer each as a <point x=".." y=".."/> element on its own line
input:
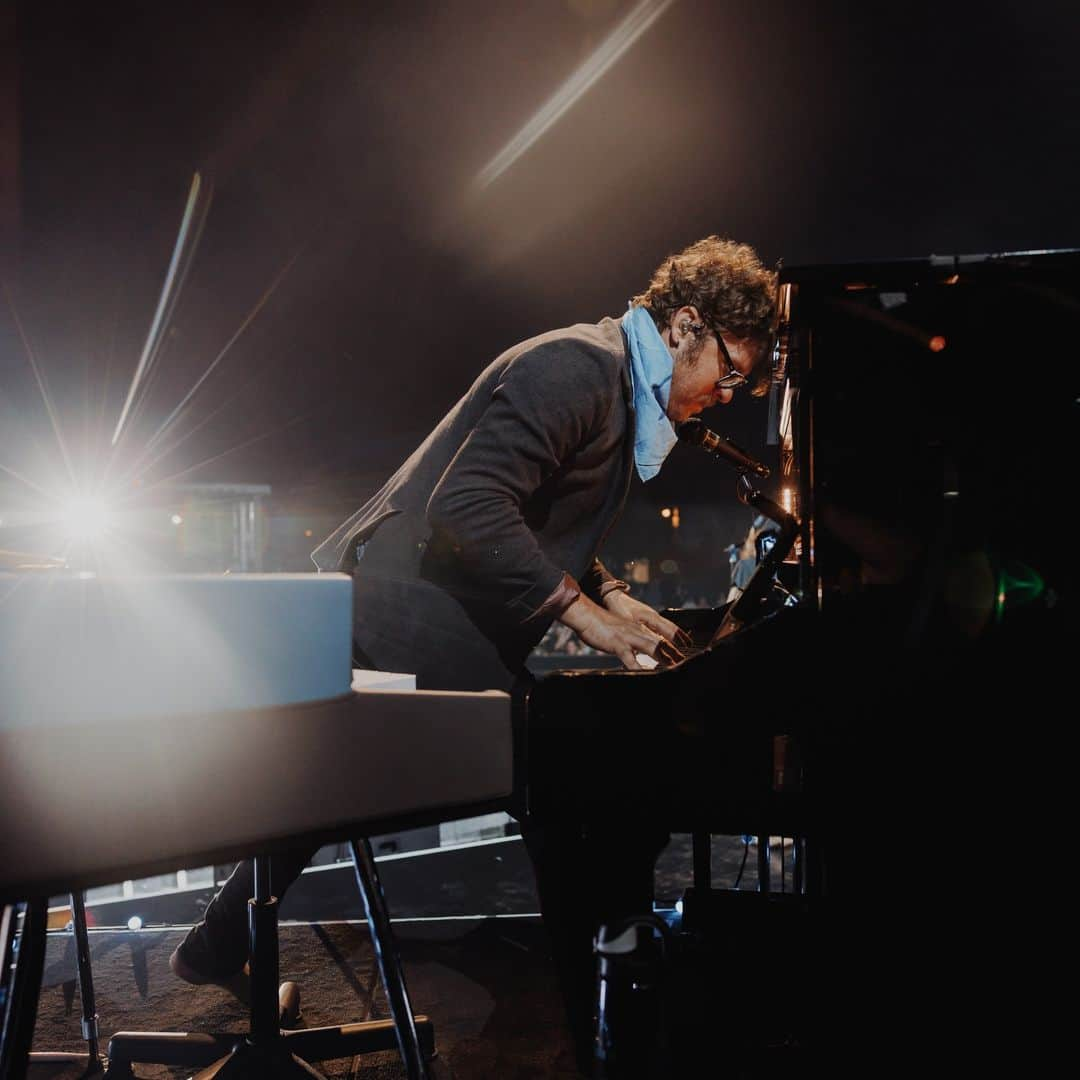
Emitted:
<point x="389" y="963"/>
<point x="9" y="917"/>
<point x="94" y="1065"/>
<point x="86" y="979"/>
<point x="22" y="985"/>
<point x="763" y="863"/>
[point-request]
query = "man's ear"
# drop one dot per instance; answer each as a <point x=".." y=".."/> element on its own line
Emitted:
<point x="681" y="322"/>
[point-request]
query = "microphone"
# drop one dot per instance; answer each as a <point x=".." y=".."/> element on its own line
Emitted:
<point x="696" y="433"/>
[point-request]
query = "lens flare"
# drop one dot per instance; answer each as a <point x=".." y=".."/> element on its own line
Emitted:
<point x="86" y="518"/>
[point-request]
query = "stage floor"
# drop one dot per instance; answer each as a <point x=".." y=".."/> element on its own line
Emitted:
<point x="487" y="985"/>
<point x="487" y="982"/>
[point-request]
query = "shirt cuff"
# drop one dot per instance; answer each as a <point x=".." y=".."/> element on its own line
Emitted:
<point x="565" y="593"/>
<point x="613" y="585"/>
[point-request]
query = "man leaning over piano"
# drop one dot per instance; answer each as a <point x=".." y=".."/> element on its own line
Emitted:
<point x="490" y="531"/>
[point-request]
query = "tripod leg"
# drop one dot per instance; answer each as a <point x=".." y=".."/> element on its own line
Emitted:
<point x="393" y="978"/>
<point x="86" y="977"/>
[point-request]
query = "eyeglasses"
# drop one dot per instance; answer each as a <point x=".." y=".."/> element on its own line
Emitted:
<point x="733" y="378"/>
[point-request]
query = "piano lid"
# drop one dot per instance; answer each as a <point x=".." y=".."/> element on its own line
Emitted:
<point x="933" y="429"/>
<point x="932" y="269"/>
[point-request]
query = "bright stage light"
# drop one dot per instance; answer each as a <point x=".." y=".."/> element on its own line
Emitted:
<point x="135" y="923"/>
<point x="176" y="519"/>
<point x="86" y="518"/>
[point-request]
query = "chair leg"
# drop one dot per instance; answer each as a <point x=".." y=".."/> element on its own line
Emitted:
<point x="264" y="1010"/>
<point x="386" y="953"/>
<point x="261" y="1056"/>
<point x="268" y="1053"/>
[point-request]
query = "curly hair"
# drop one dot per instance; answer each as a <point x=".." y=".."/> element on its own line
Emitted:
<point x="724" y="280"/>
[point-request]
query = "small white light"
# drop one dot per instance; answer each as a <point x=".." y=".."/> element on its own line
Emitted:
<point x="176" y="519"/>
<point x="135" y="922"/>
<point x="678" y="906"/>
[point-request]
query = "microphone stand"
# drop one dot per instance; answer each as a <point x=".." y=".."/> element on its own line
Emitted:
<point x="745" y="608"/>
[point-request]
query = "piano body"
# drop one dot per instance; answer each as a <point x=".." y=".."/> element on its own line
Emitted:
<point x="924" y="421"/>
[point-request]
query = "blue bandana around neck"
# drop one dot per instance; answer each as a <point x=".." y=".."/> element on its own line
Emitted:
<point x="651" y="366"/>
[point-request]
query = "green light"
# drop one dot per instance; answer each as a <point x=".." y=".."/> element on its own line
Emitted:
<point x="1017" y="584"/>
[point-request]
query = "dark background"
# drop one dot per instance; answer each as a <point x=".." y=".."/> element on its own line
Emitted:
<point x="344" y="141"/>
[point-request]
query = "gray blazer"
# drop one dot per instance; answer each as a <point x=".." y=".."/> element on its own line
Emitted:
<point x="518" y="483"/>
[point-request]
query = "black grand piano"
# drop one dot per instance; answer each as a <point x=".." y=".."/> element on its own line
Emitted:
<point x="893" y="689"/>
<point x="923" y="420"/>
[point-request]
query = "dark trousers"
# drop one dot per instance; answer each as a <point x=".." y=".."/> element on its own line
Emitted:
<point x="589" y="875"/>
<point x="223" y="931"/>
